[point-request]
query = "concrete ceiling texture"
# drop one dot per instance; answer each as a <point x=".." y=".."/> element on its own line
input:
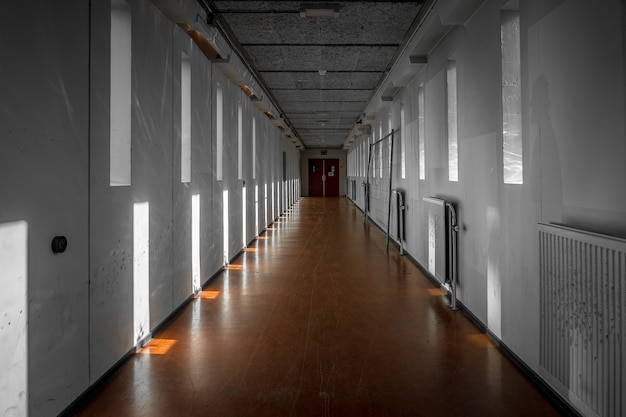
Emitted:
<point x="320" y="62"/>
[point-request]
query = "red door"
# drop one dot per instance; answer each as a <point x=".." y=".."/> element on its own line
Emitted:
<point x="332" y="177"/>
<point x="323" y="177"/>
<point x="316" y="174"/>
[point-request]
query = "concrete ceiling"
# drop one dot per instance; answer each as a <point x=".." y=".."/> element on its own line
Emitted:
<point x="320" y="71"/>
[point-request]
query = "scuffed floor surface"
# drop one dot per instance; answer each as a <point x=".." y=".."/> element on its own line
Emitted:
<point x="317" y="319"/>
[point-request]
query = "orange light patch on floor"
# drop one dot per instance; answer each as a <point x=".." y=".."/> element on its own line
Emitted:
<point x="234" y="267"/>
<point x="436" y="292"/>
<point x="261" y="238"/>
<point x="157" y="347"/>
<point x="210" y="295"/>
<point x="481" y="340"/>
<point x="250" y="249"/>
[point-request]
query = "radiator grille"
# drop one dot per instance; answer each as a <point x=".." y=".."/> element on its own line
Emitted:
<point x="583" y="303"/>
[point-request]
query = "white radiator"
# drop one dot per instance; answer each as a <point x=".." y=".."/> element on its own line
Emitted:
<point x="583" y="318"/>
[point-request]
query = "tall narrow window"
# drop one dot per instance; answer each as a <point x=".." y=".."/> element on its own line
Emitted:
<point x="511" y="98"/>
<point x="121" y="94"/>
<point x="380" y="150"/>
<point x="239" y="142"/>
<point x="403" y="136"/>
<point x="254" y="148"/>
<point x="185" y="118"/>
<point x="453" y="145"/>
<point x="219" y="126"/>
<point x="389" y="156"/>
<point x="421" y="132"/>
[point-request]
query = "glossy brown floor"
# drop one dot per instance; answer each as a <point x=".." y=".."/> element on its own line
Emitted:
<point x="317" y="319"/>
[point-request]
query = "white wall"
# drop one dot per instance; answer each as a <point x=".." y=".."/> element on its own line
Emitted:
<point x="54" y="165"/>
<point x="572" y="69"/>
<point x="44" y="185"/>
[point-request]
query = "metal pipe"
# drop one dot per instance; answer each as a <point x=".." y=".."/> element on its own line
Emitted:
<point x="390" y="189"/>
<point x="453" y="230"/>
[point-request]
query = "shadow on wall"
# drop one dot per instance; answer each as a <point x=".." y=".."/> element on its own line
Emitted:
<point x="548" y="189"/>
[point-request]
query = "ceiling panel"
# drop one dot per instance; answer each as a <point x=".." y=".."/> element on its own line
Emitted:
<point x="289" y="57"/>
<point x="350" y="80"/>
<point x="353" y="49"/>
<point x="322" y="95"/>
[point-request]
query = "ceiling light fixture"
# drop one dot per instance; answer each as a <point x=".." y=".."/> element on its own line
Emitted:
<point x="319" y="10"/>
<point x="249" y="91"/>
<point x="321" y="72"/>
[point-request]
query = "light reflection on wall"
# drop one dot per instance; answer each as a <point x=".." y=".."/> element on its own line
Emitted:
<point x="273" y="204"/>
<point x="13" y="318"/>
<point x="141" y="272"/>
<point x="494" y="290"/>
<point x="256" y="210"/>
<point x="225" y="224"/>
<point x="265" y="212"/>
<point x="432" y="243"/>
<point x="196" y="285"/>
<point x="243" y="217"/>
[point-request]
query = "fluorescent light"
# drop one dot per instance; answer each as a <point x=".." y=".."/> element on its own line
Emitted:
<point x="319" y="10"/>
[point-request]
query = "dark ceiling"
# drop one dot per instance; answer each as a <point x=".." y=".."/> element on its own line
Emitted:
<point x="321" y="71"/>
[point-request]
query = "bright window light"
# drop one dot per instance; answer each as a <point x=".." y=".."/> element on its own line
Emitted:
<point x="403" y="138"/>
<point x="196" y="283"/>
<point x="265" y="199"/>
<point x="254" y="148"/>
<point x="219" y="126"/>
<point x="380" y="150"/>
<point x="273" y="216"/>
<point x="453" y="147"/>
<point x="120" y="94"/>
<point x="185" y="118"/>
<point x="13" y="318"/>
<point x="239" y="142"/>
<point x="141" y="272"/>
<point x="421" y="132"/>
<point x="511" y="99"/>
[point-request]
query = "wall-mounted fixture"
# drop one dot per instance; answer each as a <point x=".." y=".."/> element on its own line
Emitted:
<point x="249" y="91"/>
<point x="208" y="38"/>
<point x="59" y="244"/>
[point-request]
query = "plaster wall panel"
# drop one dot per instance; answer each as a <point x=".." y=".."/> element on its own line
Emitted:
<point x="203" y="175"/>
<point x="44" y="165"/>
<point x="110" y="249"/>
<point x="153" y="143"/>
<point x="182" y="192"/>
<point x="577" y="128"/>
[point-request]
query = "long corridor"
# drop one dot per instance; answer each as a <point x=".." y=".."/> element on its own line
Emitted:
<point x="316" y="318"/>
